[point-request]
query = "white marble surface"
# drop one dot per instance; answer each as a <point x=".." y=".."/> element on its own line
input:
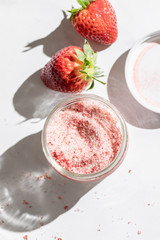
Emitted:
<point x="123" y="203"/>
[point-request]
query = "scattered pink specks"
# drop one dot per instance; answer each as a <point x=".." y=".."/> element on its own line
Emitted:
<point x="25" y="202"/>
<point x="139" y="232"/>
<point x="42" y="218"/>
<point x="129" y="171"/>
<point x="66" y="207"/>
<point x="149" y="204"/>
<point x="41" y="223"/>
<point x="99" y="228"/>
<point x="129" y="222"/>
<point x="47" y="177"/>
<point x="43" y="177"/>
<point x="25" y="237"/>
<point x="77" y="210"/>
<point x="60" y="197"/>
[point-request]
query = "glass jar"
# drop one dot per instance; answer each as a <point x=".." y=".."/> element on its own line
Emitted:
<point x="115" y="162"/>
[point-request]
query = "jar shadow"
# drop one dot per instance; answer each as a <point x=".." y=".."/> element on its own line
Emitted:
<point x="32" y="194"/>
<point x="119" y="94"/>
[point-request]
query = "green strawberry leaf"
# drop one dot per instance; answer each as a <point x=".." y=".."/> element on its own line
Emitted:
<point x="88" y="51"/>
<point x="98" y="72"/>
<point x="83" y="72"/>
<point x="95" y="57"/>
<point x="87" y="77"/>
<point x="86" y="63"/>
<point x="83" y="3"/>
<point x="90" y="69"/>
<point x="92" y="85"/>
<point x="80" y="54"/>
<point x="98" y="75"/>
<point x="73" y="12"/>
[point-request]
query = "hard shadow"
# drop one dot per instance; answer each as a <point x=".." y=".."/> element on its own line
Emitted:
<point x="63" y="36"/>
<point x="34" y="100"/>
<point x="121" y="97"/>
<point x="32" y="194"/>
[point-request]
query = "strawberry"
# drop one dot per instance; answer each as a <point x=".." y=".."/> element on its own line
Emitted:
<point x="95" y="20"/>
<point x="71" y="69"/>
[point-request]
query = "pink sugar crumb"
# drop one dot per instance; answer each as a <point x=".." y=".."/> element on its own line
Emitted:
<point x="47" y="177"/>
<point x="25" y="202"/>
<point x="139" y="232"/>
<point x="84" y="137"/>
<point x="77" y="210"/>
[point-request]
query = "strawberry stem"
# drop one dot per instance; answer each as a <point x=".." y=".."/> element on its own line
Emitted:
<point x="84" y="4"/>
<point x="104" y="83"/>
<point x="88" y="57"/>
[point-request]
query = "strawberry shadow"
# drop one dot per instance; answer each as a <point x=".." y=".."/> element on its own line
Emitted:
<point x="64" y="35"/>
<point x="119" y="94"/>
<point x="34" y="100"/>
<point x="32" y="194"/>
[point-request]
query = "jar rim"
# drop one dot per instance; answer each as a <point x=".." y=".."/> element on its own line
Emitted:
<point x="132" y="57"/>
<point x="90" y="176"/>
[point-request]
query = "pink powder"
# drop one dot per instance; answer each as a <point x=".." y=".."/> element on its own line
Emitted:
<point x="84" y="137"/>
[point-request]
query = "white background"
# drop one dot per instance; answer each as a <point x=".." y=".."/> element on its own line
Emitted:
<point x="123" y="203"/>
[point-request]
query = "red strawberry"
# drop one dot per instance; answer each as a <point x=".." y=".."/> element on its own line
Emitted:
<point x="71" y="69"/>
<point x="96" y="20"/>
